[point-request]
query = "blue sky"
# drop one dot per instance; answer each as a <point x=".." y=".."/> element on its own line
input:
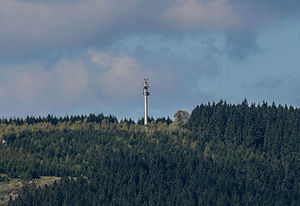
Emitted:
<point x="90" y="56"/>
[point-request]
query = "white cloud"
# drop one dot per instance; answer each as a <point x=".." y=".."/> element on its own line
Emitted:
<point x="24" y="83"/>
<point x="36" y="85"/>
<point x="72" y="78"/>
<point x="119" y="75"/>
<point x="95" y="78"/>
<point x="202" y="15"/>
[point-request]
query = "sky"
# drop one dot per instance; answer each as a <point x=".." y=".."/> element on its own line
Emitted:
<point x="90" y="56"/>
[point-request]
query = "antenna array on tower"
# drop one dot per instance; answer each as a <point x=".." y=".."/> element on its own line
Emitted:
<point x="146" y="94"/>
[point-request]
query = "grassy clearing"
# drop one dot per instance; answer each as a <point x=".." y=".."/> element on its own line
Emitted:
<point x="9" y="187"/>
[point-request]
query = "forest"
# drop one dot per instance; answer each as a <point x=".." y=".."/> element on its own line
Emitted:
<point x="222" y="154"/>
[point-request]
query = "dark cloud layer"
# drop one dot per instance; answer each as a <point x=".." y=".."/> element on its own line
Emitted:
<point x="31" y="27"/>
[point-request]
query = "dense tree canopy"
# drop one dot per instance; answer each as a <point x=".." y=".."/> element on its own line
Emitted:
<point x="225" y="155"/>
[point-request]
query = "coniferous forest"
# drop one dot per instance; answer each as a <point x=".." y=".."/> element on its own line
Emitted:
<point x="223" y="154"/>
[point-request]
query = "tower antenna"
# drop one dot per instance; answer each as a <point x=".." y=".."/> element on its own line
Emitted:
<point x="146" y="94"/>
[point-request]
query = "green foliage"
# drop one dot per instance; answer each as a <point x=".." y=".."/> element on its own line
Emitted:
<point x="225" y="155"/>
<point x="181" y="117"/>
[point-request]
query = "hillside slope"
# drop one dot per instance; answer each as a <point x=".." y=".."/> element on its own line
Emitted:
<point x="225" y="155"/>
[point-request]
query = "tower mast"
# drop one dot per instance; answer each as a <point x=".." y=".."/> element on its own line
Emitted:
<point x="146" y="94"/>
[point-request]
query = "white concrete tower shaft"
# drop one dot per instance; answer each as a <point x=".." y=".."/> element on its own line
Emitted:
<point x="146" y="94"/>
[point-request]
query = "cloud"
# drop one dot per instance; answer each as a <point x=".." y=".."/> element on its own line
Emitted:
<point x="33" y="27"/>
<point x="270" y="83"/>
<point x="71" y="77"/>
<point x="119" y="76"/>
<point x="110" y="80"/>
<point x="281" y="89"/>
<point x="196" y="15"/>
<point x="24" y="83"/>
<point x="47" y="64"/>
<point x="240" y="45"/>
